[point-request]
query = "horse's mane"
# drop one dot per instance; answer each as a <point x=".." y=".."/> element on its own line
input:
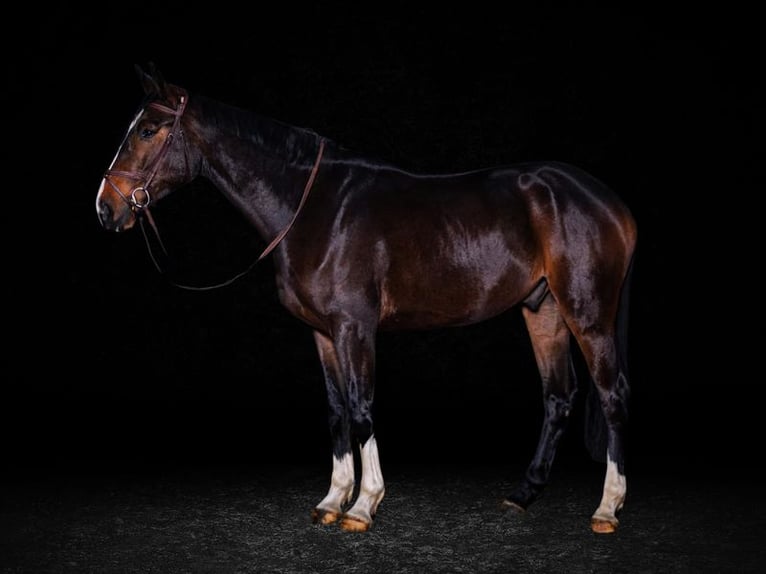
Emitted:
<point x="292" y="144"/>
<point x="279" y="139"/>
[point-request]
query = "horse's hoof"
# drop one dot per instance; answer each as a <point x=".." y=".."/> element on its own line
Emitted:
<point x="324" y="517"/>
<point x="351" y="524"/>
<point x="507" y="504"/>
<point x="603" y="526"/>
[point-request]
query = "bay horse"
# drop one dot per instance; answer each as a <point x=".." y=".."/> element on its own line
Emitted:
<point x="360" y="245"/>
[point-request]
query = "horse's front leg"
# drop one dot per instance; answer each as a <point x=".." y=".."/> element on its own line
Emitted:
<point x="330" y="509"/>
<point x="355" y="346"/>
<point x="371" y="491"/>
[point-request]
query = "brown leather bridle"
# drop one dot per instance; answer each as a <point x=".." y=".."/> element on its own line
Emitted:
<point x="140" y="196"/>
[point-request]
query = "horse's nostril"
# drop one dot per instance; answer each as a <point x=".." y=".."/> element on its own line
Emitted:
<point x="105" y="213"/>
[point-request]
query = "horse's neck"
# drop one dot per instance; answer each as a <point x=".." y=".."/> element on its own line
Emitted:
<point x="261" y="174"/>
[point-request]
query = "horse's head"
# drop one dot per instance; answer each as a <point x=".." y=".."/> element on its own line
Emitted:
<point x="152" y="159"/>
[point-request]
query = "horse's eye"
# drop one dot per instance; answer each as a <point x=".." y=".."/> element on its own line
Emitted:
<point x="147" y="134"/>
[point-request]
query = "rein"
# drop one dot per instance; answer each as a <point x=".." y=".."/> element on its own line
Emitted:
<point x="269" y="248"/>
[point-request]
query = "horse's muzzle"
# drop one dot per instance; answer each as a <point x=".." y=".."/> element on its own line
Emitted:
<point x="112" y="221"/>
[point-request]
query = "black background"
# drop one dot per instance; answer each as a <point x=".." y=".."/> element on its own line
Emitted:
<point x="108" y="362"/>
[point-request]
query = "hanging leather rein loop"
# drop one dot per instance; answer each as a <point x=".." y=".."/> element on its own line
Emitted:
<point x="305" y="195"/>
<point x="269" y="248"/>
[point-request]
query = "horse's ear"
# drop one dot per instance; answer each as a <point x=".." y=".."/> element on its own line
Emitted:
<point x="152" y="82"/>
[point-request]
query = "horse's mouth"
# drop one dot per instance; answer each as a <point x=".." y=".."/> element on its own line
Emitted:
<point x="106" y="217"/>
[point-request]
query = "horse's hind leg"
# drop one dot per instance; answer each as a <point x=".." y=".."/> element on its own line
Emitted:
<point x="601" y="354"/>
<point x="550" y="340"/>
<point x="601" y="336"/>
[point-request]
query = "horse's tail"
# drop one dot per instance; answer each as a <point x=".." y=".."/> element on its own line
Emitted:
<point x="595" y="424"/>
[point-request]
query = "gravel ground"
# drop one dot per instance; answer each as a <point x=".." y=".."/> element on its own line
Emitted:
<point x="435" y="518"/>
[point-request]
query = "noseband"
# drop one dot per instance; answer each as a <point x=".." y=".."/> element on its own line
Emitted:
<point x="140" y="197"/>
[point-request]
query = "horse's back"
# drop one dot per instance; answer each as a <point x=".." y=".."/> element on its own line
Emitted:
<point x="517" y="212"/>
<point x="509" y="196"/>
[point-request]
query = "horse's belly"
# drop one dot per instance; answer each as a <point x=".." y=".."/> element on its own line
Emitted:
<point x="451" y="299"/>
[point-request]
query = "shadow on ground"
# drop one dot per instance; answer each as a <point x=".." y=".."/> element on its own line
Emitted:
<point x="434" y="518"/>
